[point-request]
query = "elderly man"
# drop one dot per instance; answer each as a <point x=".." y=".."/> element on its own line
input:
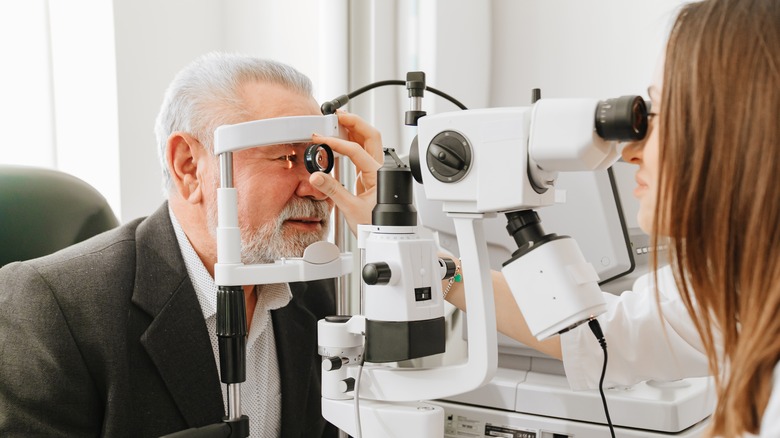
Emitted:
<point x="116" y="336"/>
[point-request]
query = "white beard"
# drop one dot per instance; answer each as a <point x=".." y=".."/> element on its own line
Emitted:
<point x="268" y="242"/>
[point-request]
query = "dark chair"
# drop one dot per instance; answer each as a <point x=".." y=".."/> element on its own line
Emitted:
<point x="44" y="210"/>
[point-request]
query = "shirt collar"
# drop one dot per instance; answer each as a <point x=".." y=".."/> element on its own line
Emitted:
<point x="202" y="281"/>
<point x="273" y="296"/>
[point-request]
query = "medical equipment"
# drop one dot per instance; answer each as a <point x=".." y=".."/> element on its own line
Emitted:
<point x="320" y="260"/>
<point x="468" y="158"/>
<point x="402" y="319"/>
<point x="530" y="395"/>
<point x="505" y="160"/>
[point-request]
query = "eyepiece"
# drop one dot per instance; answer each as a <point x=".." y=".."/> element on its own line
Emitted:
<point x="318" y="158"/>
<point x="622" y="119"/>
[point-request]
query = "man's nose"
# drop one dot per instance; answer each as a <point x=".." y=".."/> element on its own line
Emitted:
<point x="305" y="188"/>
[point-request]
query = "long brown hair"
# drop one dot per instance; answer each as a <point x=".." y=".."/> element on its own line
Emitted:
<point x="718" y="202"/>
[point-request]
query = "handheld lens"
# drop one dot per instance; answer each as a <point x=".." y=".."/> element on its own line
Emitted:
<point x="318" y="158"/>
<point x="622" y="119"/>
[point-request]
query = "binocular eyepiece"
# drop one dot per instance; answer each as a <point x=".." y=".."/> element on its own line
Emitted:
<point x="622" y="119"/>
<point x="318" y="158"/>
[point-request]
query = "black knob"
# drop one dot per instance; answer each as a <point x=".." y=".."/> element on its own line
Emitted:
<point x="347" y="385"/>
<point x="376" y="273"/>
<point x="450" y="267"/>
<point x="449" y="156"/>
<point x="332" y="363"/>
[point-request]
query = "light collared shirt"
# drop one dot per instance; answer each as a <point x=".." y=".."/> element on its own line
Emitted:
<point x="261" y="397"/>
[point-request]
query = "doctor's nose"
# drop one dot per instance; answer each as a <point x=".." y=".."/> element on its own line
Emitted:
<point x="632" y="152"/>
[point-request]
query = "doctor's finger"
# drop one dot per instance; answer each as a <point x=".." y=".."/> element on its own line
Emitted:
<point x="356" y="210"/>
<point x="328" y="185"/>
<point x="363" y="133"/>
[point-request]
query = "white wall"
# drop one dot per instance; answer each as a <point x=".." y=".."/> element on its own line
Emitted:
<point x="153" y="41"/>
<point x="492" y="53"/>
<point x="573" y="48"/>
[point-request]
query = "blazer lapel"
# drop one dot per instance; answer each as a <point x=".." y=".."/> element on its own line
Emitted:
<point x="176" y="339"/>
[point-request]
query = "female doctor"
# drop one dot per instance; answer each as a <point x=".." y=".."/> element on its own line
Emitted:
<point x="709" y="188"/>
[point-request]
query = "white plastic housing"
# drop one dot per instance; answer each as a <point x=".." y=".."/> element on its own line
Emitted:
<point x="507" y="144"/>
<point x="278" y="130"/>
<point x="498" y="178"/>
<point x="563" y="137"/>
<point x="343" y="340"/>
<point x="414" y="264"/>
<point x="554" y="287"/>
<point x="394" y="384"/>
<point x="228" y="232"/>
<point x="320" y="260"/>
<point x="386" y="420"/>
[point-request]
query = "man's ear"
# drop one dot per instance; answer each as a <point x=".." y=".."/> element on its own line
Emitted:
<point x="183" y="154"/>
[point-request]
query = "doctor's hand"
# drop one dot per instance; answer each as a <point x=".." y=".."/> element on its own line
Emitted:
<point x="363" y="146"/>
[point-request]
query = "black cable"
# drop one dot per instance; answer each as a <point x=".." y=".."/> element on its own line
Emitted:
<point x="595" y="327"/>
<point x="362" y="90"/>
<point x="331" y="106"/>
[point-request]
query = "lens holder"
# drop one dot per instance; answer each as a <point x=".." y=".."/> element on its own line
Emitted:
<point x="318" y="158"/>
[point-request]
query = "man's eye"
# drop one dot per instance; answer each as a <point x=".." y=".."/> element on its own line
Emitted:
<point x="291" y="158"/>
<point x="287" y="161"/>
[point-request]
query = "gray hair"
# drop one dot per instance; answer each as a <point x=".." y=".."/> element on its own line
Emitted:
<point x="205" y="95"/>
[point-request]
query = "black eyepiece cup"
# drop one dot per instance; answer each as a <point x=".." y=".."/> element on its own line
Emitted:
<point x="622" y="119"/>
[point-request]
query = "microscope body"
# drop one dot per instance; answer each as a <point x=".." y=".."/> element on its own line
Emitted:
<point x="404" y="308"/>
<point x="403" y="318"/>
<point x="506" y="160"/>
<point x="479" y="163"/>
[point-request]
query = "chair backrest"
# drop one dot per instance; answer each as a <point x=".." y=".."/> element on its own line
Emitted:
<point x="44" y="210"/>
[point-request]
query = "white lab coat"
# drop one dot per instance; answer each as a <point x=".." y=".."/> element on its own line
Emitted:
<point x="642" y="345"/>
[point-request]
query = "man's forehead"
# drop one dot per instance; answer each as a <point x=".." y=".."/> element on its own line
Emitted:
<point x="265" y="100"/>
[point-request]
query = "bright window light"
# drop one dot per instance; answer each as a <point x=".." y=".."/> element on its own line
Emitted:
<point x="26" y="105"/>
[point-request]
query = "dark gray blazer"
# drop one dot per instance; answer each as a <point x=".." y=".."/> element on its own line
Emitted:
<point x="107" y="338"/>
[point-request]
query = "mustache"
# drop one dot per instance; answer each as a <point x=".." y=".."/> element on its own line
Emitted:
<point x="305" y="207"/>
